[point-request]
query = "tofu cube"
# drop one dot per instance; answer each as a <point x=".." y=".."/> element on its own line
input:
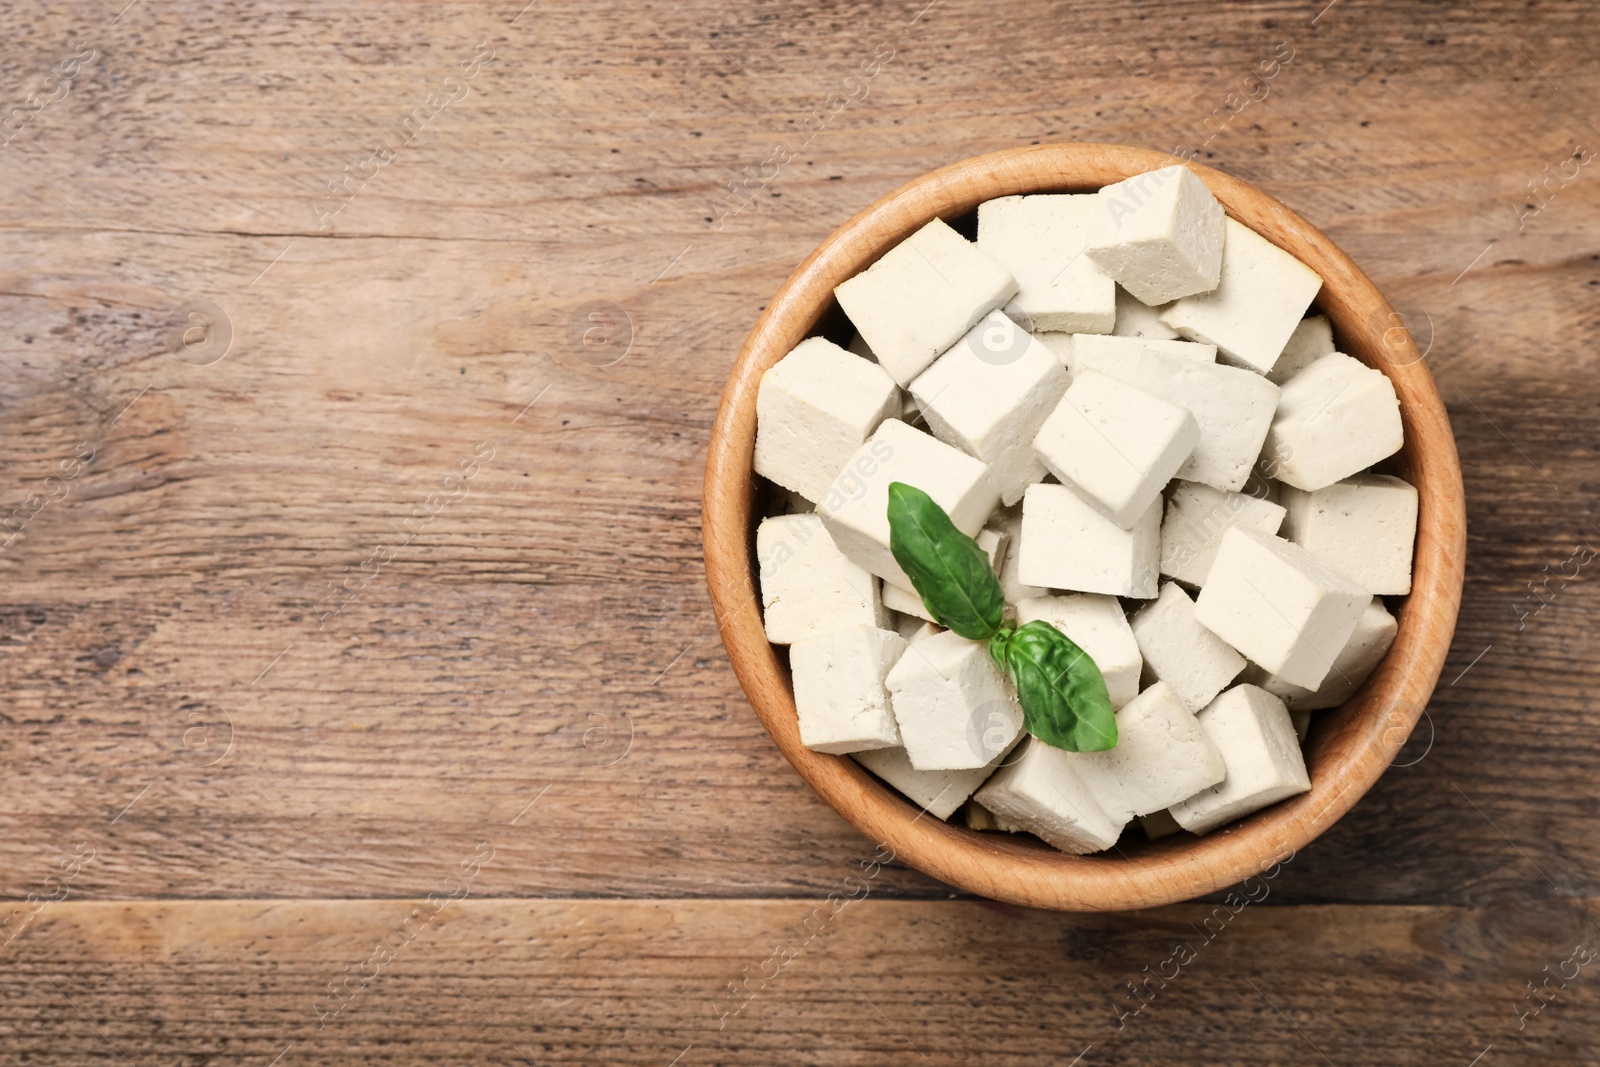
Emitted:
<point x="1159" y="824"/>
<point x="855" y="509"/>
<point x="1234" y="408"/>
<point x="1161" y="758"/>
<point x="1102" y="352"/>
<point x="921" y="296"/>
<point x="905" y="602"/>
<point x="1260" y="297"/>
<point x="1116" y="444"/>
<point x="939" y="793"/>
<point x="1097" y="625"/>
<point x="1008" y="522"/>
<point x="1335" y="418"/>
<point x="1252" y="730"/>
<point x="1280" y="607"/>
<point x="1040" y="240"/>
<point x="1160" y="236"/>
<point x="814" y="408"/>
<point x="1177" y="650"/>
<point x="1363" y="527"/>
<point x="1042" y="791"/>
<point x="989" y="394"/>
<point x="952" y="704"/>
<point x="1066" y="544"/>
<point x="808" y="587"/>
<point x="1368" y="644"/>
<point x="1312" y="339"/>
<point x="839" y="689"/>
<point x="1135" y="318"/>
<point x="1196" y="518"/>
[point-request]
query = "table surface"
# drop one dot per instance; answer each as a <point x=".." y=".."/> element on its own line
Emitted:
<point x="362" y="700"/>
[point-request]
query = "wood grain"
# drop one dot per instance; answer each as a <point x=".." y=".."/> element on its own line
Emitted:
<point x="378" y="750"/>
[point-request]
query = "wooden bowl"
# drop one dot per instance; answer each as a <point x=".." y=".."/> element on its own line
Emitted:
<point x="1348" y="747"/>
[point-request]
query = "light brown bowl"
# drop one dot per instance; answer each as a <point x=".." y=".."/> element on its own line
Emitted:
<point x="1348" y="747"/>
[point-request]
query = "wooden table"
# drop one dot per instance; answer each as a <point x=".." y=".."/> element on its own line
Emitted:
<point x="361" y="697"/>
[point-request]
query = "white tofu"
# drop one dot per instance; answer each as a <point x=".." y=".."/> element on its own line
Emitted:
<point x="855" y="509"/>
<point x="1162" y="757"/>
<point x="1116" y="444"/>
<point x="921" y="296"/>
<point x="909" y="626"/>
<point x="1260" y="297"/>
<point x="1177" y="650"/>
<point x="1066" y="544"/>
<point x="1335" y="418"/>
<point x="814" y="408"/>
<point x="1312" y="339"/>
<point x="1301" y="721"/>
<point x="939" y="793"/>
<point x="1272" y="601"/>
<point x="1091" y="351"/>
<point x="859" y="346"/>
<point x="1363" y="527"/>
<point x="1159" y="824"/>
<point x="1097" y="625"/>
<point x="1042" y="791"/>
<point x="952" y="704"/>
<point x="1135" y="318"/>
<point x="988" y="396"/>
<point x="1252" y="730"/>
<point x="1234" y="408"/>
<point x="905" y="602"/>
<point x="1369" y="642"/>
<point x="808" y="587"/>
<point x="1008" y="522"/>
<point x="994" y="542"/>
<point x="1160" y="236"/>
<point x="1196" y="517"/>
<point x="839" y="690"/>
<point x="1040" y="240"/>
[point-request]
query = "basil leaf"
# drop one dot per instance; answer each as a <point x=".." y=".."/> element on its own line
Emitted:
<point x="947" y="568"/>
<point x="1063" y="695"/>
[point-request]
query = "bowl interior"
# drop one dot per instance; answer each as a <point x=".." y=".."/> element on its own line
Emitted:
<point x="1348" y="747"/>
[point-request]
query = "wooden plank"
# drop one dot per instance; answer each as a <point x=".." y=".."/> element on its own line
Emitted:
<point x="873" y="982"/>
<point x="560" y="603"/>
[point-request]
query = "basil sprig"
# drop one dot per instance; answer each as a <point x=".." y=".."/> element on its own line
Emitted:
<point x="1063" y="695"/>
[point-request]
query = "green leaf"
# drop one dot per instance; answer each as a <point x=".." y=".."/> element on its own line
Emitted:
<point x="1063" y="695"/>
<point x="947" y="568"/>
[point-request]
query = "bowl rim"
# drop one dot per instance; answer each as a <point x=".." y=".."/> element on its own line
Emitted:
<point x="1349" y="748"/>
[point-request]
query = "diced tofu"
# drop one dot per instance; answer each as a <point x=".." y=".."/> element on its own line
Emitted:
<point x="1115" y="443"/>
<point x="911" y="627"/>
<point x="1363" y="527"/>
<point x="1258" y="301"/>
<point x="814" y="408"/>
<point x="988" y="396"/>
<point x="1301" y="721"/>
<point x="921" y="296"/>
<point x="1177" y="650"/>
<point x="859" y="346"/>
<point x="1252" y="730"/>
<point x="1135" y="318"/>
<point x="1159" y="824"/>
<point x="855" y="509"/>
<point x="1041" y="791"/>
<point x="1272" y="601"/>
<point x="808" y="587"/>
<point x="952" y="704"/>
<point x="1234" y="408"/>
<point x="939" y="793"/>
<point x="1335" y="418"/>
<point x="1312" y="339"/>
<point x="994" y="543"/>
<point x="1368" y="644"/>
<point x="1103" y="352"/>
<point x="1008" y="522"/>
<point x="1195" y="519"/>
<point x="1162" y="756"/>
<point x="1066" y="544"/>
<point x="1097" y="625"/>
<point x="1160" y="236"/>
<point x="1040" y="240"/>
<point x="905" y="602"/>
<point x="839" y="689"/>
